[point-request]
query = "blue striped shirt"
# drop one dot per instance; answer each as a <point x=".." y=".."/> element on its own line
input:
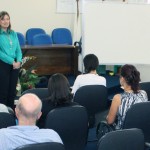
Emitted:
<point x="16" y="136"/>
<point x="10" y="50"/>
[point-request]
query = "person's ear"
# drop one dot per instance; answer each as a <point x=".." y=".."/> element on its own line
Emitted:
<point x="16" y="112"/>
<point x="121" y="80"/>
<point x="39" y="115"/>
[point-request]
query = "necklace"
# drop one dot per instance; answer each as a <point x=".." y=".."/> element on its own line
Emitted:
<point x="10" y="41"/>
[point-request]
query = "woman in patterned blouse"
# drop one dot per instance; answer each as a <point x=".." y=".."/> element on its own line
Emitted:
<point x="129" y="80"/>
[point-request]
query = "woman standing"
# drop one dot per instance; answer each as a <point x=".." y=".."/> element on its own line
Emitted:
<point x="10" y="60"/>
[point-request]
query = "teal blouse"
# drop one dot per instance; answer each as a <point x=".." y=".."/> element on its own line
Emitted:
<point x="10" y="50"/>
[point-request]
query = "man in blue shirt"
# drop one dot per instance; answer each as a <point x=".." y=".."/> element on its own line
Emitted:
<point x="28" y="111"/>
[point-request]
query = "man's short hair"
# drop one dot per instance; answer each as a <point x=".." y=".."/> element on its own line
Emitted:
<point x="91" y="62"/>
<point x="23" y="110"/>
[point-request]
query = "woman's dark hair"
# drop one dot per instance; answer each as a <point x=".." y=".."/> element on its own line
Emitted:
<point x="59" y="89"/>
<point x="2" y="15"/>
<point x="90" y="63"/>
<point x="131" y="76"/>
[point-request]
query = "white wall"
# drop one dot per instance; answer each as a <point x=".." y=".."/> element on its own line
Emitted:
<point x="36" y="13"/>
<point x="118" y="33"/>
<point x="144" y="72"/>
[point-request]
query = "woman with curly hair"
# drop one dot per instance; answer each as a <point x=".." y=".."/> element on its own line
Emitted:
<point x="129" y="80"/>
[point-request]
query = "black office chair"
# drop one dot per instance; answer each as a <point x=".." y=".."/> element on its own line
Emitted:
<point x="71" y="123"/>
<point x="42" y="146"/>
<point x="11" y="111"/>
<point x="129" y="139"/>
<point x="6" y="120"/>
<point x="93" y="98"/>
<point x="146" y="87"/>
<point x="79" y="45"/>
<point x="138" y="116"/>
<point x="40" y="92"/>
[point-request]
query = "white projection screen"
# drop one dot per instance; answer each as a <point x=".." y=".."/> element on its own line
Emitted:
<point x="118" y="33"/>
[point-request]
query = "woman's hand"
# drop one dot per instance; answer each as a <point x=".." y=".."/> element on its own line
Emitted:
<point x="16" y="65"/>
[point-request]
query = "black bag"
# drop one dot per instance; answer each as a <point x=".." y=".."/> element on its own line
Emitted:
<point x="103" y="128"/>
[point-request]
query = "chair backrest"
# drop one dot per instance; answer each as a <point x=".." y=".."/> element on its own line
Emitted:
<point x="146" y="87"/>
<point x="129" y="139"/>
<point x="79" y="45"/>
<point x="6" y="120"/>
<point x="40" y="92"/>
<point x="92" y="97"/>
<point x="42" y="146"/>
<point x="21" y="39"/>
<point x="10" y="110"/>
<point x="62" y="36"/>
<point x="138" y="116"/>
<point x="71" y="123"/>
<point x="42" y="39"/>
<point x="32" y="32"/>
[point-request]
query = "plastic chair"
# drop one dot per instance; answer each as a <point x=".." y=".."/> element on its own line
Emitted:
<point x="42" y="39"/>
<point x="71" y="123"/>
<point x="40" y="92"/>
<point x="93" y="98"/>
<point x="138" y="116"/>
<point x="6" y="120"/>
<point x="42" y="146"/>
<point x="32" y="32"/>
<point x="129" y="139"/>
<point x="21" y="39"/>
<point x="62" y="36"/>
<point x="146" y="87"/>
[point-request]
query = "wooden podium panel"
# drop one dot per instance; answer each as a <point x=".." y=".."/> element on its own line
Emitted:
<point x="52" y="59"/>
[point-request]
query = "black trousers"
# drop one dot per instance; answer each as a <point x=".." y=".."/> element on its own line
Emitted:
<point x="8" y="82"/>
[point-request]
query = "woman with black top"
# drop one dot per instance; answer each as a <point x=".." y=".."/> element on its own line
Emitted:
<point x="59" y="96"/>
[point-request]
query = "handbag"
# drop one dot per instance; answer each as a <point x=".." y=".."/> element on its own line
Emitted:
<point x="103" y="128"/>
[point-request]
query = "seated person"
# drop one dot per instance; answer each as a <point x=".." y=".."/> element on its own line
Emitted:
<point x="129" y="80"/>
<point x="28" y="111"/>
<point x="59" y="96"/>
<point x="90" y="77"/>
<point x="6" y="109"/>
<point x="3" y="108"/>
